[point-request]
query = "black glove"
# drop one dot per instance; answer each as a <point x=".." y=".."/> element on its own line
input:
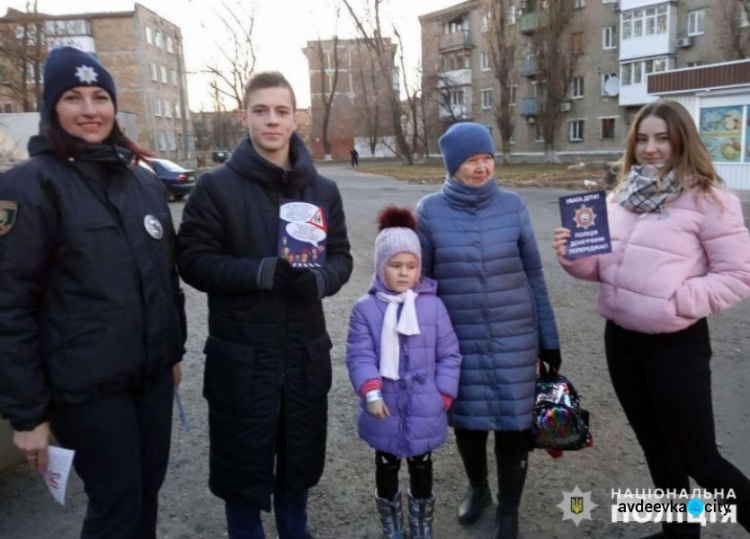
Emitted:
<point x="552" y="358"/>
<point x="282" y="274"/>
<point x="303" y="284"/>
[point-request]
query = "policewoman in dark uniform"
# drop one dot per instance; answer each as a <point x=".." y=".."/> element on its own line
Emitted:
<point x="91" y="311"/>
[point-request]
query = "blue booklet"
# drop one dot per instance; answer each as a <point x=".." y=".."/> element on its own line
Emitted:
<point x="303" y="233"/>
<point x="585" y="215"/>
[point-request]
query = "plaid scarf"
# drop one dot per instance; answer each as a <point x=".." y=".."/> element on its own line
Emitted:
<point x="641" y="192"/>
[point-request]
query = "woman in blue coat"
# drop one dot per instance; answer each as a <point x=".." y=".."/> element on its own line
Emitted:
<point x="478" y="244"/>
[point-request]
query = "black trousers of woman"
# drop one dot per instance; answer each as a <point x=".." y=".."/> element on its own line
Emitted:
<point x="122" y="443"/>
<point x="663" y="382"/>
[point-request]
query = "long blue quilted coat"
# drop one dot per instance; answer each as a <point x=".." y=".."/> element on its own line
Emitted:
<point x="477" y="242"/>
<point x="429" y="365"/>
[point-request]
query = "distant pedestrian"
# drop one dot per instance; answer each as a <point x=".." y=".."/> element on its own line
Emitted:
<point x="355" y="157"/>
<point x="404" y="362"/>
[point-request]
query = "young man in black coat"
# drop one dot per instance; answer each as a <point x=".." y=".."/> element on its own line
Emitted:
<point x="268" y="365"/>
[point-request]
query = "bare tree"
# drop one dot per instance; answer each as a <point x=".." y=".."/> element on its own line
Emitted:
<point x="24" y="48"/>
<point x="555" y="61"/>
<point x="368" y="74"/>
<point x="412" y="96"/>
<point x="237" y="51"/>
<point x="329" y="77"/>
<point x="383" y="53"/>
<point x="501" y="39"/>
<point x="734" y="35"/>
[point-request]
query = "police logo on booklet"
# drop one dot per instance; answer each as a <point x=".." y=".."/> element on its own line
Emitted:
<point x="8" y="213"/>
<point x="153" y="227"/>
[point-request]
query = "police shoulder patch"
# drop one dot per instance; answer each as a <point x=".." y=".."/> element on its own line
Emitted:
<point x="8" y="213"/>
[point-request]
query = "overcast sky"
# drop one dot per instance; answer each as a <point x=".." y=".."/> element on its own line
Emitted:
<point x="283" y="27"/>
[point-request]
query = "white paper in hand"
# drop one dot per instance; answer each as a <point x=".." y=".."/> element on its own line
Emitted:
<point x="58" y="471"/>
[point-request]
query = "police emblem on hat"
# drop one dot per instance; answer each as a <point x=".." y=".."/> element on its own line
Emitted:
<point x="153" y="227"/>
<point x="8" y="213"/>
<point x="86" y="74"/>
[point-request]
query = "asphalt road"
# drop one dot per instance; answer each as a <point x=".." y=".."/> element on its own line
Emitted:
<point x="342" y="505"/>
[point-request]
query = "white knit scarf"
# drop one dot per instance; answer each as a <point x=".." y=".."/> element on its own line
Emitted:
<point x="407" y="324"/>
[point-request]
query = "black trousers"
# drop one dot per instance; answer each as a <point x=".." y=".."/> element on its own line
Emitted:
<point x="420" y="475"/>
<point x="663" y="382"/>
<point x="122" y="443"/>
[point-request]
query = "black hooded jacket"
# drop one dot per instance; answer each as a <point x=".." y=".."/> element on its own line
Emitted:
<point x="261" y="341"/>
<point x="90" y="302"/>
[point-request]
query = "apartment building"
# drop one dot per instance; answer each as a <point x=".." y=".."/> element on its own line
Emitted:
<point x="360" y="111"/>
<point x="616" y="45"/>
<point x="142" y="50"/>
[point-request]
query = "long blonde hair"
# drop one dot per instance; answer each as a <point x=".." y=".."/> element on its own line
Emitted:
<point x="690" y="159"/>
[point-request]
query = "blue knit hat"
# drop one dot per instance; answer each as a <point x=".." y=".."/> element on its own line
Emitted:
<point x="463" y="140"/>
<point x="68" y="67"/>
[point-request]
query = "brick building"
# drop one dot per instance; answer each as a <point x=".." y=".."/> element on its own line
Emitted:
<point x="360" y="111"/>
<point x="143" y="51"/>
<point x="617" y="45"/>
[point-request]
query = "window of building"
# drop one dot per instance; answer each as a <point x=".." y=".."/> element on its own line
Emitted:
<point x="74" y="27"/>
<point x="606" y="77"/>
<point x="692" y="64"/>
<point x="164" y="75"/>
<point x="177" y="112"/>
<point x="486" y="21"/>
<point x="608" y="128"/>
<point x="486" y="95"/>
<point x="512" y="15"/>
<point x="744" y="17"/>
<point x="576" y="88"/>
<point x="513" y="95"/>
<point x="538" y="134"/>
<point x="162" y="142"/>
<point x="696" y="23"/>
<point x="170" y="45"/>
<point x="579" y="4"/>
<point x="6" y="108"/>
<point x="158" y="39"/>
<point x="575" y="131"/>
<point x="152" y="71"/>
<point x="635" y="72"/>
<point x="149" y="36"/>
<point x="644" y="22"/>
<point x="609" y="37"/>
<point x="172" y="143"/>
<point x="157" y="107"/>
<point x="455" y="25"/>
<point x="174" y="77"/>
<point x="576" y="43"/>
<point x="456" y="97"/>
<point x="484" y="61"/>
<point x="167" y="109"/>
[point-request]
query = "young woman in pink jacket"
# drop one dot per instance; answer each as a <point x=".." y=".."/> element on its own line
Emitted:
<point x="680" y="252"/>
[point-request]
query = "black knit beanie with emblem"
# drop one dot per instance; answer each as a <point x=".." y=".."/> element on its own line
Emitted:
<point x="68" y="67"/>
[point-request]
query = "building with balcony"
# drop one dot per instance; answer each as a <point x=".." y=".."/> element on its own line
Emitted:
<point x="618" y="45"/>
<point x="141" y="49"/>
<point x="361" y="115"/>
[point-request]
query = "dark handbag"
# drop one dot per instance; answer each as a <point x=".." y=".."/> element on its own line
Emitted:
<point x="559" y="422"/>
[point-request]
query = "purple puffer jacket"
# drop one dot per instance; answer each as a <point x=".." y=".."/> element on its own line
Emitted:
<point x="429" y="365"/>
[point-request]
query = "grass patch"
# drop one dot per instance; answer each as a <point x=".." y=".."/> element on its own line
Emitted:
<point x="521" y="175"/>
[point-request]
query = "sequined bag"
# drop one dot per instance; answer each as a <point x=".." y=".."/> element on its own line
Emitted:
<point x="559" y="422"/>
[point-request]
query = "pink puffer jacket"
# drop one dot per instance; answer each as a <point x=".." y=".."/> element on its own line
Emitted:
<point x="667" y="271"/>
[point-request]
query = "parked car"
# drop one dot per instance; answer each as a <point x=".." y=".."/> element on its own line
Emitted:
<point x="179" y="181"/>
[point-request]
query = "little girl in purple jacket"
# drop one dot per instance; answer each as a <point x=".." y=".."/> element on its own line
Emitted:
<point x="404" y="362"/>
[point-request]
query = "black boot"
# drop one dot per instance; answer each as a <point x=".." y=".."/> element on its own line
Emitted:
<point x="472" y="447"/>
<point x="511" y="478"/>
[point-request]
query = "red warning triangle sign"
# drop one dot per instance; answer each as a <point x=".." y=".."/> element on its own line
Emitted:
<point x="319" y="220"/>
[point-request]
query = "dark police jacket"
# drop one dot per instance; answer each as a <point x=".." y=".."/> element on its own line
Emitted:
<point x="89" y="299"/>
<point x="263" y="345"/>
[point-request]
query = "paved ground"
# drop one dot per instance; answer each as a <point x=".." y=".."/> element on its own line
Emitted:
<point x="342" y="506"/>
